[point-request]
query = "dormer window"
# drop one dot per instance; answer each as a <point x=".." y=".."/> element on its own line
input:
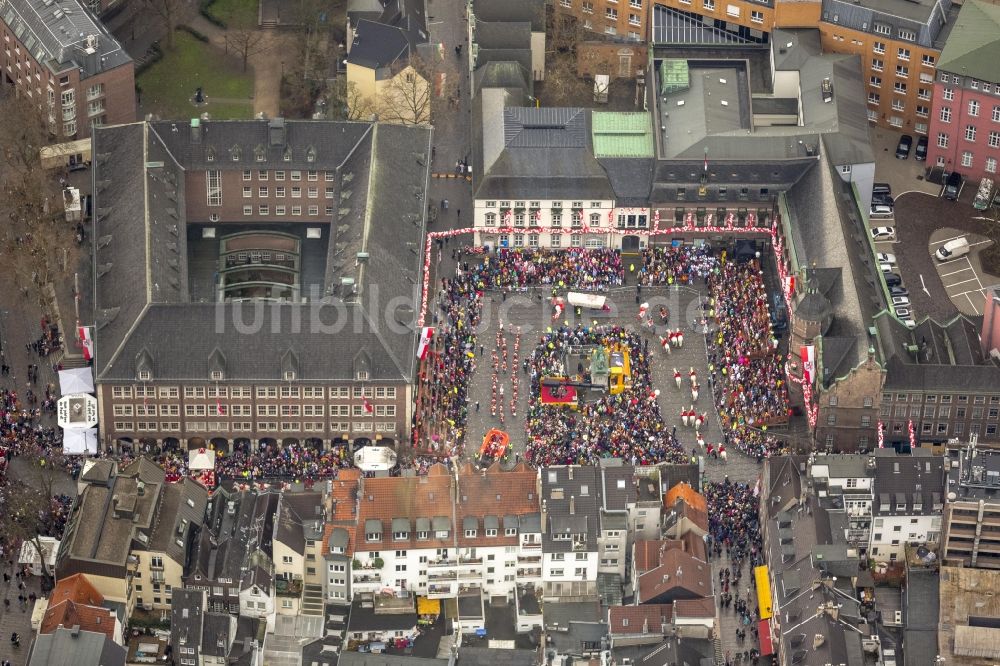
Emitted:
<point x="362" y="375"/>
<point x="491" y="533"/>
<point x="237" y="153"/>
<point x="470" y="534"/>
<point x="423" y="536"/>
<point x="216" y="375"/>
<point x="259" y="153"/>
<point x="311" y="154"/>
<point x="400" y="536"/>
<point x="145" y="375"/>
<point x="210" y="154"/>
<point x="510" y="531"/>
<point x="287" y="155"/>
<point x="373" y="536"/>
<point x="289" y="375"/>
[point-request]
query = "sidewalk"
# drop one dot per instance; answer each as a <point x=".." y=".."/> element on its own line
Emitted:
<point x="14" y="619"/>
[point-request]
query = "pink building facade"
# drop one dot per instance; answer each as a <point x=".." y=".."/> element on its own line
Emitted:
<point x="964" y="131"/>
<point x="965" y="125"/>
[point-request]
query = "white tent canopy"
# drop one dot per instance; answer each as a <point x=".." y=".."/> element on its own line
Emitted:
<point x="76" y="380"/>
<point x="199" y="459"/>
<point x="80" y="442"/>
<point x="375" y="459"/>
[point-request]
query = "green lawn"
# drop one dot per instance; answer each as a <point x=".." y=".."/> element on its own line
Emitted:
<point x="169" y="85"/>
<point x="234" y="12"/>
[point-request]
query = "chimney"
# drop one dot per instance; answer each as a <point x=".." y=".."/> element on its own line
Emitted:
<point x="570" y="472"/>
<point x="572" y="505"/>
<point x="276" y="132"/>
<point x="196" y="130"/>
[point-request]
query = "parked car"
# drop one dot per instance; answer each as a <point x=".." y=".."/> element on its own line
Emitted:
<point x="882" y="188"/>
<point x="886" y="268"/>
<point x="881" y="210"/>
<point x="901" y="300"/>
<point x="902" y="313"/>
<point x="910" y="323"/>
<point x="882" y="198"/>
<point x="952" y="186"/>
<point x="884" y="233"/>
<point x="899" y="291"/>
<point x="953" y="249"/>
<point x="893" y="280"/>
<point x="920" y="154"/>
<point x="904" y="146"/>
<point x="885" y="258"/>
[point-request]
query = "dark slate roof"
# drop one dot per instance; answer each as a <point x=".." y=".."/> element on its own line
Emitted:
<point x="511" y="11"/>
<point x="908" y="477"/>
<point x="332" y="143"/>
<point x="364" y="618"/>
<point x="217" y="634"/>
<point x="351" y="658"/>
<point x="60" y="40"/>
<point x="86" y="648"/>
<point x="297" y="517"/>
<point x="151" y="322"/>
<point x="631" y="179"/>
<point x="948" y="356"/>
<point x="522" y="56"/>
<point x="393" y="36"/>
<point x="181" y="515"/>
<point x="583" y="488"/>
<point x="546" y="127"/>
<point x="922" y="596"/>
<point x="503" y="34"/>
<point x="503" y="74"/>
<point x="482" y="656"/>
<point x="187" y="608"/>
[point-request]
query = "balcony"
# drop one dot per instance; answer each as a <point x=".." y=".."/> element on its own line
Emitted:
<point x="288" y="588"/>
<point x="441" y="575"/>
<point x="470" y="561"/>
<point x="440" y="591"/>
<point x="442" y="563"/>
<point x="367" y="585"/>
<point x="476" y="575"/>
<point x="69" y="113"/>
<point x="531" y="545"/>
<point x="529" y="559"/>
<point x="529" y="572"/>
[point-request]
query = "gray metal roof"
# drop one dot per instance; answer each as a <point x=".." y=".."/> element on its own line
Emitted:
<point x="144" y="309"/>
<point x="380" y="42"/>
<point x="532" y="11"/>
<point x="509" y="74"/>
<point x="64" y="34"/>
<point x="908" y="479"/>
<point x="546" y="127"/>
<point x="73" y="647"/>
<point x="582" y="520"/>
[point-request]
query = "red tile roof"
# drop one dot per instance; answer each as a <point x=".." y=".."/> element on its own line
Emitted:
<point x="647" y="552"/>
<point x="70" y="614"/>
<point x="494" y="492"/>
<point x="685" y="492"/>
<point x="694" y="514"/>
<point x="76" y="588"/>
<point x="411" y="497"/>
<point x="681" y="575"/>
<point x="695" y="608"/>
<point x="644" y="619"/>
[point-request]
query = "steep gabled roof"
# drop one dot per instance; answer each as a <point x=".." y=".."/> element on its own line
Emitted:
<point x="973" y="47"/>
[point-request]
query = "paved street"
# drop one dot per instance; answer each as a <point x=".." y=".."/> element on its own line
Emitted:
<point x="15" y="619"/>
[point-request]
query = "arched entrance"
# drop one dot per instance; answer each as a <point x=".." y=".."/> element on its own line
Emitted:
<point x="196" y="443"/>
<point x="124" y="444"/>
<point x="268" y="441"/>
<point x="382" y="440"/>
<point x="290" y="441"/>
<point x="220" y="444"/>
<point x="630" y="244"/>
<point x="314" y="443"/>
<point x="362" y="441"/>
<point x="241" y="445"/>
<point x="171" y="444"/>
<point x="148" y="445"/>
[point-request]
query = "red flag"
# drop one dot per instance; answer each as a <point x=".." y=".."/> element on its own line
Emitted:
<point x="426" y="335"/>
<point x="368" y="406"/>
<point x="706" y="160"/>
<point x="218" y="407"/>
<point x="86" y="341"/>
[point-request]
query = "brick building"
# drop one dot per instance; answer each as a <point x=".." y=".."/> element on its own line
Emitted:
<point x="62" y="57"/>
<point x="617" y="18"/>
<point x="261" y="291"/>
<point x="965" y="124"/>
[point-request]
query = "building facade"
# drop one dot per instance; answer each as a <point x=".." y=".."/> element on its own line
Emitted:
<point x="626" y="19"/>
<point x="68" y="63"/>
<point x="965" y="123"/>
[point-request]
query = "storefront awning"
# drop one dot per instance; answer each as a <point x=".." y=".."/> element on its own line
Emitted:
<point x="764" y="631"/>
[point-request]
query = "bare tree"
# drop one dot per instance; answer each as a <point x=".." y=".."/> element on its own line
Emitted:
<point x="28" y="499"/>
<point x="171" y="13"/>
<point x="246" y="39"/>
<point x="345" y="101"/>
<point x="35" y="240"/>
<point x="422" y="89"/>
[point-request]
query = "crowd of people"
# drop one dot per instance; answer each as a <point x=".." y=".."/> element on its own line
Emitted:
<point x="665" y="265"/>
<point x="745" y="368"/>
<point x="734" y="531"/>
<point x="627" y="425"/>
<point x="520" y="268"/>
<point x="441" y="409"/>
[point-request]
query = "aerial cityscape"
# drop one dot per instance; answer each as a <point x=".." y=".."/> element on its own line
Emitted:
<point x="500" y="332"/>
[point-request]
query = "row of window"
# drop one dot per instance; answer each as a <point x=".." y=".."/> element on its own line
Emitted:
<point x="284" y="210"/>
<point x="555" y="240"/>
<point x="246" y="410"/>
<point x="993" y="140"/>
<point x="974" y="84"/>
<point x="261" y="426"/>
<point x="279" y="192"/>
<point x="555" y="205"/>
<point x="267" y="392"/>
<point x="311" y="176"/>
<point x="948" y="95"/>
<point x="942" y="412"/>
<point x="945" y="399"/>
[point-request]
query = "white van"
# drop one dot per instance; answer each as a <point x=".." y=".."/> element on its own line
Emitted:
<point x="953" y="249"/>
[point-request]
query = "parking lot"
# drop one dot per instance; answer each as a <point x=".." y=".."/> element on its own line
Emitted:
<point x="923" y="222"/>
<point x="962" y="278"/>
